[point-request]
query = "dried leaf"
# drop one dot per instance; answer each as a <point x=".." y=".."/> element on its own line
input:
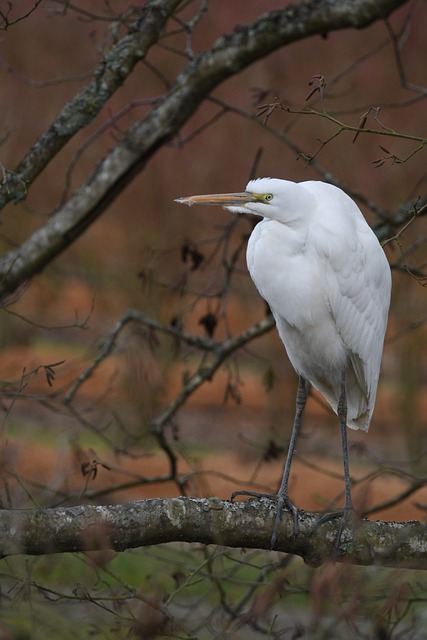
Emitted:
<point x="209" y="322"/>
<point x="232" y="391"/>
<point x="190" y="253"/>
<point x="269" y="378"/>
<point x="319" y="88"/>
<point x="272" y="451"/>
<point x="362" y="124"/>
<point x="49" y="371"/>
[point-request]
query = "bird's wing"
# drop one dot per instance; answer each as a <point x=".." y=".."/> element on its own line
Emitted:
<point x="358" y="297"/>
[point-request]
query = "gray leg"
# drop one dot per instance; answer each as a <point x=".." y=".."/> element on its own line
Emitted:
<point x="282" y="496"/>
<point x="342" y="415"/>
<point x="348" y="506"/>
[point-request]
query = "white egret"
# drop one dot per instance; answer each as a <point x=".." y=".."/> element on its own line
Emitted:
<point x="320" y="267"/>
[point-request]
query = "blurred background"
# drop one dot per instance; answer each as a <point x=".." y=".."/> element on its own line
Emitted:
<point x="83" y="409"/>
<point x="186" y="267"/>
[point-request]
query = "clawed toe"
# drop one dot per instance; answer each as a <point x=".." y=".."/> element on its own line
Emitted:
<point x="346" y="516"/>
<point x="283" y="502"/>
<point x="253" y="494"/>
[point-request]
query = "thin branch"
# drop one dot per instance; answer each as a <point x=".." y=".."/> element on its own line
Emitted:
<point x="44" y="83"/>
<point x="115" y="66"/>
<point x="222" y="351"/>
<point x="6" y="21"/>
<point x="325" y="174"/>
<point x="341" y="126"/>
<point x="131" y="315"/>
<point x="396" y="40"/>
<point x="397" y="499"/>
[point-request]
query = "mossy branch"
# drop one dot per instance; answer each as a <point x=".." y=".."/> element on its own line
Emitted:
<point x="209" y="521"/>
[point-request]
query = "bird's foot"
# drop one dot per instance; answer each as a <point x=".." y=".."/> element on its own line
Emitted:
<point x="347" y="517"/>
<point x="253" y="494"/>
<point x="283" y="502"/>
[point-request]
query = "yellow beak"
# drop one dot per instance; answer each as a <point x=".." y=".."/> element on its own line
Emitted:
<point x="219" y="199"/>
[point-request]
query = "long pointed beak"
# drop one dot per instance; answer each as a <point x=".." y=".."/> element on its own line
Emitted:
<point x="219" y="199"/>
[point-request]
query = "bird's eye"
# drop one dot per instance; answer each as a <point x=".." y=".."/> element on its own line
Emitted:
<point x="268" y="197"/>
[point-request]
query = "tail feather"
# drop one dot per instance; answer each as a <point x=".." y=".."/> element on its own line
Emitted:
<point x="360" y="404"/>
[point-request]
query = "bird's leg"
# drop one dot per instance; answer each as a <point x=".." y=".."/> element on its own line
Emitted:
<point x="283" y="496"/>
<point x="342" y="415"/>
<point x="348" y="505"/>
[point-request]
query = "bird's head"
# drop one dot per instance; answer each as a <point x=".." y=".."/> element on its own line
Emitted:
<point x="280" y="200"/>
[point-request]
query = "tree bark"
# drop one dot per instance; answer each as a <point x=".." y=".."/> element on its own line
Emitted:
<point x="209" y="521"/>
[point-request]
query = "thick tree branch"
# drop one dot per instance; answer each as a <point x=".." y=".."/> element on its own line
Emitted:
<point x="116" y="65"/>
<point x="229" y="55"/>
<point x="208" y="521"/>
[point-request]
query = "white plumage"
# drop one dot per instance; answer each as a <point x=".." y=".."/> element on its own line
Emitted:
<point x="321" y="269"/>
